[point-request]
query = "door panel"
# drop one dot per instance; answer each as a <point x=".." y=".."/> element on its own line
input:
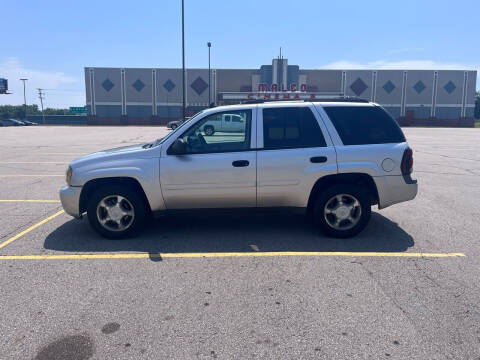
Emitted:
<point x="286" y="176"/>
<point x="296" y="153"/>
<point x="208" y="180"/>
<point x="218" y="169"/>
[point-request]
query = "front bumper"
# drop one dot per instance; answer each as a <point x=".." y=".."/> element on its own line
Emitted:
<point x="70" y="198"/>
<point x="395" y="189"/>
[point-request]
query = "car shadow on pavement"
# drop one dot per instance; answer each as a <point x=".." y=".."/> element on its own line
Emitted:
<point x="230" y="233"/>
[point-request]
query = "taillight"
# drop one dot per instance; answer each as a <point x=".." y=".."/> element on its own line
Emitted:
<point x="407" y="162"/>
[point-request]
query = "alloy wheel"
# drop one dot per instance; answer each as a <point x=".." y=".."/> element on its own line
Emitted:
<point x="115" y="213"/>
<point x="342" y="211"/>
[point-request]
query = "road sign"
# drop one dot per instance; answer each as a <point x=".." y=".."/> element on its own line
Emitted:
<point x="78" y="110"/>
<point x="3" y="86"/>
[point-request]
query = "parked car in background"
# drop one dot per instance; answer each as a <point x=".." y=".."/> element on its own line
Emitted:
<point x="11" y="122"/>
<point x="29" y="123"/>
<point x="176" y="123"/>
<point x="331" y="159"/>
<point x="224" y="123"/>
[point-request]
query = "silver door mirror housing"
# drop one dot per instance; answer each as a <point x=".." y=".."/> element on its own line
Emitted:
<point x="179" y="147"/>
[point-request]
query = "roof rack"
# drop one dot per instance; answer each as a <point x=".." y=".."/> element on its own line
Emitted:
<point x="261" y="101"/>
<point x="317" y="99"/>
<point x="339" y="99"/>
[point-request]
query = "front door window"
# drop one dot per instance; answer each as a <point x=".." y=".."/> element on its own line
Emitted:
<point x="210" y="135"/>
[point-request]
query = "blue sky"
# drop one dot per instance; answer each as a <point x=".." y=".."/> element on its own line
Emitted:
<point x="50" y="42"/>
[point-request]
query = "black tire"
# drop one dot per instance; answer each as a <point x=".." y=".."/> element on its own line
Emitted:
<point x="209" y="130"/>
<point x="174" y="127"/>
<point x="322" y="219"/>
<point x="134" y="199"/>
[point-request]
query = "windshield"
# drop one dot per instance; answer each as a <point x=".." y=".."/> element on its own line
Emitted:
<point x="162" y="140"/>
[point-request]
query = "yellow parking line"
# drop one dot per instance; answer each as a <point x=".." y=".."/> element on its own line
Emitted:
<point x="33" y="162"/>
<point x="224" y="255"/>
<point x="30" y="175"/>
<point x="33" y="227"/>
<point x="30" y="200"/>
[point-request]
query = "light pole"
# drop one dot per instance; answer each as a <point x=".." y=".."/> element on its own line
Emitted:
<point x="209" y="44"/>
<point x="24" y="98"/>
<point x="183" y="63"/>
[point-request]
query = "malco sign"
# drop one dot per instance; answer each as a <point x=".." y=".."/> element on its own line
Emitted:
<point x="262" y="87"/>
<point x="275" y="92"/>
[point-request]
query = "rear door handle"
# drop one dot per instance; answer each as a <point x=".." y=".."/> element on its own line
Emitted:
<point x="240" y="163"/>
<point x="318" y="159"/>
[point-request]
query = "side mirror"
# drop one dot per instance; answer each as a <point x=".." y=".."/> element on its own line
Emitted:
<point x="179" y="147"/>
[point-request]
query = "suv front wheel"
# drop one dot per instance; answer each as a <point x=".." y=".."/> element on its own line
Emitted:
<point x="116" y="212"/>
<point x="342" y="210"/>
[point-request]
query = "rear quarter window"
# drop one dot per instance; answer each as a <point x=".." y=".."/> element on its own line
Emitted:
<point x="361" y="125"/>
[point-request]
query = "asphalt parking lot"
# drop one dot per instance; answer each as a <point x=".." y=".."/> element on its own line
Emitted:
<point x="229" y="287"/>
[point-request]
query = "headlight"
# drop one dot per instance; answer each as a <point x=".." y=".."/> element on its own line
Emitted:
<point x="69" y="175"/>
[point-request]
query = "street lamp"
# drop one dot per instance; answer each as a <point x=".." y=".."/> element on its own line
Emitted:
<point x="24" y="98"/>
<point x="183" y="62"/>
<point x="209" y="44"/>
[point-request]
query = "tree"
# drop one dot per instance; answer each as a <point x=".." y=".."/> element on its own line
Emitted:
<point x="18" y="111"/>
<point x="477" y="106"/>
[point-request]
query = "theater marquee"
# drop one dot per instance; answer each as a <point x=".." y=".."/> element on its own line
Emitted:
<point x="277" y="92"/>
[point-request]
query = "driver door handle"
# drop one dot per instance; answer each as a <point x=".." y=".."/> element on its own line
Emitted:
<point x="240" y="163"/>
<point x="318" y="159"/>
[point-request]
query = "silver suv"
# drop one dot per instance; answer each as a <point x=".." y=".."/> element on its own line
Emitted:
<point x="331" y="159"/>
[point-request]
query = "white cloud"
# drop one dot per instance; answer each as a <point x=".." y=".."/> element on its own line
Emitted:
<point x="400" y="65"/>
<point x="61" y="91"/>
<point x="403" y="65"/>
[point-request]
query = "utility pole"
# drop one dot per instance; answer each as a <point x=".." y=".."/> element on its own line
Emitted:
<point x="24" y="99"/>
<point x="183" y="63"/>
<point x="41" y="96"/>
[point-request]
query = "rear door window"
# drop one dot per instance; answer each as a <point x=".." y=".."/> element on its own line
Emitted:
<point x="295" y="127"/>
<point x="361" y="125"/>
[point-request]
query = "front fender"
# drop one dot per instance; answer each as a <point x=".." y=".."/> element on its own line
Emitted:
<point x="145" y="171"/>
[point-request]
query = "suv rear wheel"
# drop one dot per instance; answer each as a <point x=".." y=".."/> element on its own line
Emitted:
<point x="116" y="212"/>
<point x="342" y="210"/>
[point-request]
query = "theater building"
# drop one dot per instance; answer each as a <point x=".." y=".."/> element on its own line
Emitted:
<point x="141" y="96"/>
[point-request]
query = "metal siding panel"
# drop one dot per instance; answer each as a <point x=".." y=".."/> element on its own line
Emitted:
<point x="192" y="96"/>
<point x="471" y="87"/>
<point x="424" y="97"/>
<point x="395" y="96"/>
<point x="109" y="110"/>
<point x="169" y="112"/>
<point x="324" y="80"/>
<point x="456" y="77"/>
<point x="139" y="110"/>
<point x="175" y="95"/>
<point x="235" y="80"/>
<point x="448" y="112"/>
<point x="145" y="76"/>
<point x="365" y="76"/>
<point x="101" y="94"/>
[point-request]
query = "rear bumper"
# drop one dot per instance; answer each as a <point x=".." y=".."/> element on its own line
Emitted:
<point x="70" y="198"/>
<point x="395" y="189"/>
